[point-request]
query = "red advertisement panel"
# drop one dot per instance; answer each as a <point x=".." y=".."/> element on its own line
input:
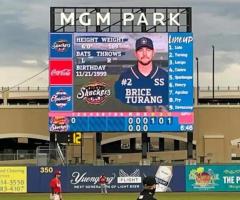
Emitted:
<point x="60" y="72"/>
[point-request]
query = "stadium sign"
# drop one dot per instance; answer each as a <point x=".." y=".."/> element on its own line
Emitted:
<point x="84" y="19"/>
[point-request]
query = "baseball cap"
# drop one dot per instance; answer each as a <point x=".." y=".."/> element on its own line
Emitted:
<point x="144" y="42"/>
<point x="149" y="181"/>
<point x="57" y="172"/>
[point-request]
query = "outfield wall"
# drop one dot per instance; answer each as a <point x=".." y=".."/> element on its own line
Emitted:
<point x="121" y="178"/>
<point x="85" y="178"/>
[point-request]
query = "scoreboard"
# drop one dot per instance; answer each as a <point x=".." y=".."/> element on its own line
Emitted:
<point x="69" y="137"/>
<point x="120" y="82"/>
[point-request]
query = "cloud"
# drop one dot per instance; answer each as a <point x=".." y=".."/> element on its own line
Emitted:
<point x="11" y="76"/>
<point x="31" y="14"/>
<point x="20" y="43"/>
<point x="25" y="26"/>
<point x="30" y="62"/>
<point x="228" y="77"/>
<point x="222" y="60"/>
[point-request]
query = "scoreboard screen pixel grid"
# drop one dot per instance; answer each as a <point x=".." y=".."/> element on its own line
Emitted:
<point x="97" y="84"/>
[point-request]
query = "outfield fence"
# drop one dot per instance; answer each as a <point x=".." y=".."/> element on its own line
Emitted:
<point x="84" y="178"/>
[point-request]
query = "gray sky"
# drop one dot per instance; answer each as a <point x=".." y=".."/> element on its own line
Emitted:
<point x="25" y="25"/>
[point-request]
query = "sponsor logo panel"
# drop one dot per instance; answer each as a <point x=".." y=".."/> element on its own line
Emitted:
<point x="60" y="72"/>
<point x="60" y="45"/>
<point x="59" y="124"/>
<point x="60" y="99"/>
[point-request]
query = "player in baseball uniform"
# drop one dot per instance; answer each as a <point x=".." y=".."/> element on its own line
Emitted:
<point x="56" y="187"/>
<point x="144" y="84"/>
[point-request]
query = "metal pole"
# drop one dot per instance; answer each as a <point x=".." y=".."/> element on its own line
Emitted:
<point x="81" y="148"/>
<point x="197" y="80"/>
<point x="189" y="145"/>
<point x="189" y="19"/>
<point x="144" y="134"/>
<point x="98" y="145"/>
<point x="144" y="145"/>
<point x="213" y="70"/>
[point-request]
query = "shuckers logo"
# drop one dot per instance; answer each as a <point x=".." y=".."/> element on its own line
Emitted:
<point x="94" y="93"/>
<point x="61" y="45"/>
<point x="59" y="124"/>
<point x="61" y="98"/>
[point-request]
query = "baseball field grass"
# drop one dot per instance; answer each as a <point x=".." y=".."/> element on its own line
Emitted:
<point x="126" y="196"/>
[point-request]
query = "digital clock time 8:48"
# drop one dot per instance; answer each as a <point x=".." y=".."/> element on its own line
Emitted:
<point x="142" y="123"/>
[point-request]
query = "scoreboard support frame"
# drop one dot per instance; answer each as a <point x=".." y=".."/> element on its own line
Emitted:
<point x="98" y="145"/>
<point x="190" y="145"/>
<point x="52" y="145"/>
<point x="144" y="145"/>
<point x="161" y="142"/>
<point x="132" y="144"/>
<point x="144" y="134"/>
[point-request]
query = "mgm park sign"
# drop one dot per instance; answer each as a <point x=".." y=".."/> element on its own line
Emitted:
<point x="105" y="19"/>
<point x="133" y="18"/>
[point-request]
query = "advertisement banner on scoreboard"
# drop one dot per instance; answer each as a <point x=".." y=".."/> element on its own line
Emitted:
<point x="60" y="98"/>
<point x="120" y="178"/>
<point x="223" y="178"/>
<point x="13" y="179"/>
<point x="146" y="80"/>
<point x="60" y="72"/>
<point x="60" y="45"/>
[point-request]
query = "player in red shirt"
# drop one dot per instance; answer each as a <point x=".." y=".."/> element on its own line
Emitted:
<point x="56" y="187"/>
<point x="103" y="183"/>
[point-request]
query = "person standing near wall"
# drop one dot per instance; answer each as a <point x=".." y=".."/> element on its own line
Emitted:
<point x="103" y="183"/>
<point x="56" y="187"/>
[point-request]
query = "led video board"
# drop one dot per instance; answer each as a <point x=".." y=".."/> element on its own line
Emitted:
<point x="123" y="82"/>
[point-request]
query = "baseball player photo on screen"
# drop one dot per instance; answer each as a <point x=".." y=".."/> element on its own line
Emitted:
<point x="145" y="83"/>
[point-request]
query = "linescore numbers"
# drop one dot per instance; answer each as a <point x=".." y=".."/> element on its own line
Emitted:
<point x="143" y="123"/>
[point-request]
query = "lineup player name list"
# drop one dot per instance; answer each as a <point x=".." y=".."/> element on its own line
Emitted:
<point x="180" y="73"/>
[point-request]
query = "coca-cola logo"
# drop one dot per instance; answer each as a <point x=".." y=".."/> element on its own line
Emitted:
<point x="61" y="45"/>
<point x="61" y="98"/>
<point x="94" y="93"/>
<point x="77" y="178"/>
<point x="59" y="124"/>
<point x="62" y="72"/>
